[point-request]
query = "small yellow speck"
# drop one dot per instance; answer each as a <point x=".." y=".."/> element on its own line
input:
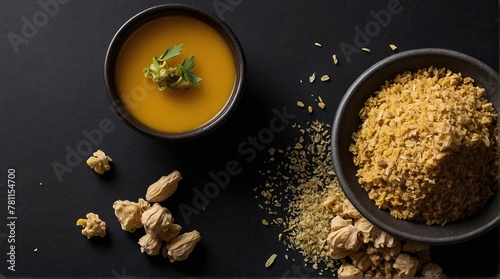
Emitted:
<point x="321" y="105"/>
<point x="324" y="78"/>
<point x="265" y="222"/>
<point x="317" y="44"/>
<point x="393" y="47"/>
<point x="300" y="104"/>
<point x="312" y="78"/>
<point x="271" y="259"/>
<point x="310" y="109"/>
<point x="335" y="60"/>
<point x="365" y="49"/>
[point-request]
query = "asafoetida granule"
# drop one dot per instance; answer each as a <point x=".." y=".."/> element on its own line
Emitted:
<point x="427" y="148"/>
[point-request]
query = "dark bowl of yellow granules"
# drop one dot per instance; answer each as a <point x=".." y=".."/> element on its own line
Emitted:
<point x="415" y="146"/>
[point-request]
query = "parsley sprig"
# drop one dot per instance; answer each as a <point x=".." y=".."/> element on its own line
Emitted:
<point x="178" y="77"/>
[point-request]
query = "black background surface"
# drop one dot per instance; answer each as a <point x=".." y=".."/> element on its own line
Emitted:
<point x="52" y="92"/>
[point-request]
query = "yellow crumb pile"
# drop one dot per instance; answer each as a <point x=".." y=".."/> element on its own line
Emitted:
<point x="426" y="149"/>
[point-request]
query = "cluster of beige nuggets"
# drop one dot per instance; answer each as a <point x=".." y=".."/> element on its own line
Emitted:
<point x="367" y="251"/>
<point x="427" y="148"/>
<point x="161" y="231"/>
<point x="162" y="234"/>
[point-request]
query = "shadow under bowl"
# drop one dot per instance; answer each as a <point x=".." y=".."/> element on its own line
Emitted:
<point x="147" y="16"/>
<point x="347" y="121"/>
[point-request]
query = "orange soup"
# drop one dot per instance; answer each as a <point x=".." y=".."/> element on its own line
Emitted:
<point x="181" y="110"/>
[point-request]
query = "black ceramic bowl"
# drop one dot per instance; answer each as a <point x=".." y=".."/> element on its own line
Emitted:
<point x="347" y="121"/>
<point x="152" y="14"/>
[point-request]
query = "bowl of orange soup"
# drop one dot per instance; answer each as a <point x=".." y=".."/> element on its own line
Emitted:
<point x="173" y="113"/>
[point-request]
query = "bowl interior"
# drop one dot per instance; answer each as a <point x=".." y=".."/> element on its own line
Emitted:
<point x="347" y="121"/>
<point x="149" y="15"/>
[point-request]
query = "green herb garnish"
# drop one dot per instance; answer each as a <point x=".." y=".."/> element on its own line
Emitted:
<point x="179" y="77"/>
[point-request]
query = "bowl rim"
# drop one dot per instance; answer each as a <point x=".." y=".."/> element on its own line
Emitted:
<point x="153" y="13"/>
<point x="434" y="234"/>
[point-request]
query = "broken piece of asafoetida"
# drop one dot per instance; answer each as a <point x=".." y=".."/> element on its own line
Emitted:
<point x="99" y="162"/>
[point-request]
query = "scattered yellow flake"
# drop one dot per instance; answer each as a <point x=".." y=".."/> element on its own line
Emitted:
<point x="310" y="109"/>
<point x="317" y="44"/>
<point x="324" y="78"/>
<point x="393" y="47"/>
<point x="312" y="78"/>
<point x="321" y="104"/>
<point x="298" y="145"/>
<point x="280" y="236"/>
<point x="271" y="259"/>
<point x="271" y="151"/>
<point x="265" y="222"/>
<point x="365" y="49"/>
<point x="300" y="104"/>
<point x="335" y="60"/>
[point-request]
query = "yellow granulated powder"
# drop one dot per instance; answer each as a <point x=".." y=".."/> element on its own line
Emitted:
<point x="426" y="149"/>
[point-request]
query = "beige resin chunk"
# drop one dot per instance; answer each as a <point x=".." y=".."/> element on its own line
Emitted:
<point x="405" y="265"/>
<point x="414" y="247"/>
<point x="170" y="233"/>
<point x="129" y="213"/>
<point x="432" y="270"/>
<point x="99" y="162"/>
<point x="181" y="247"/>
<point x="156" y="219"/>
<point x="150" y="244"/>
<point x="92" y="226"/>
<point x="343" y="242"/>
<point x="347" y="270"/>
<point x="164" y="187"/>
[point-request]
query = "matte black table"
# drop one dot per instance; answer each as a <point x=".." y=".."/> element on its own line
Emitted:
<point x="54" y="108"/>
